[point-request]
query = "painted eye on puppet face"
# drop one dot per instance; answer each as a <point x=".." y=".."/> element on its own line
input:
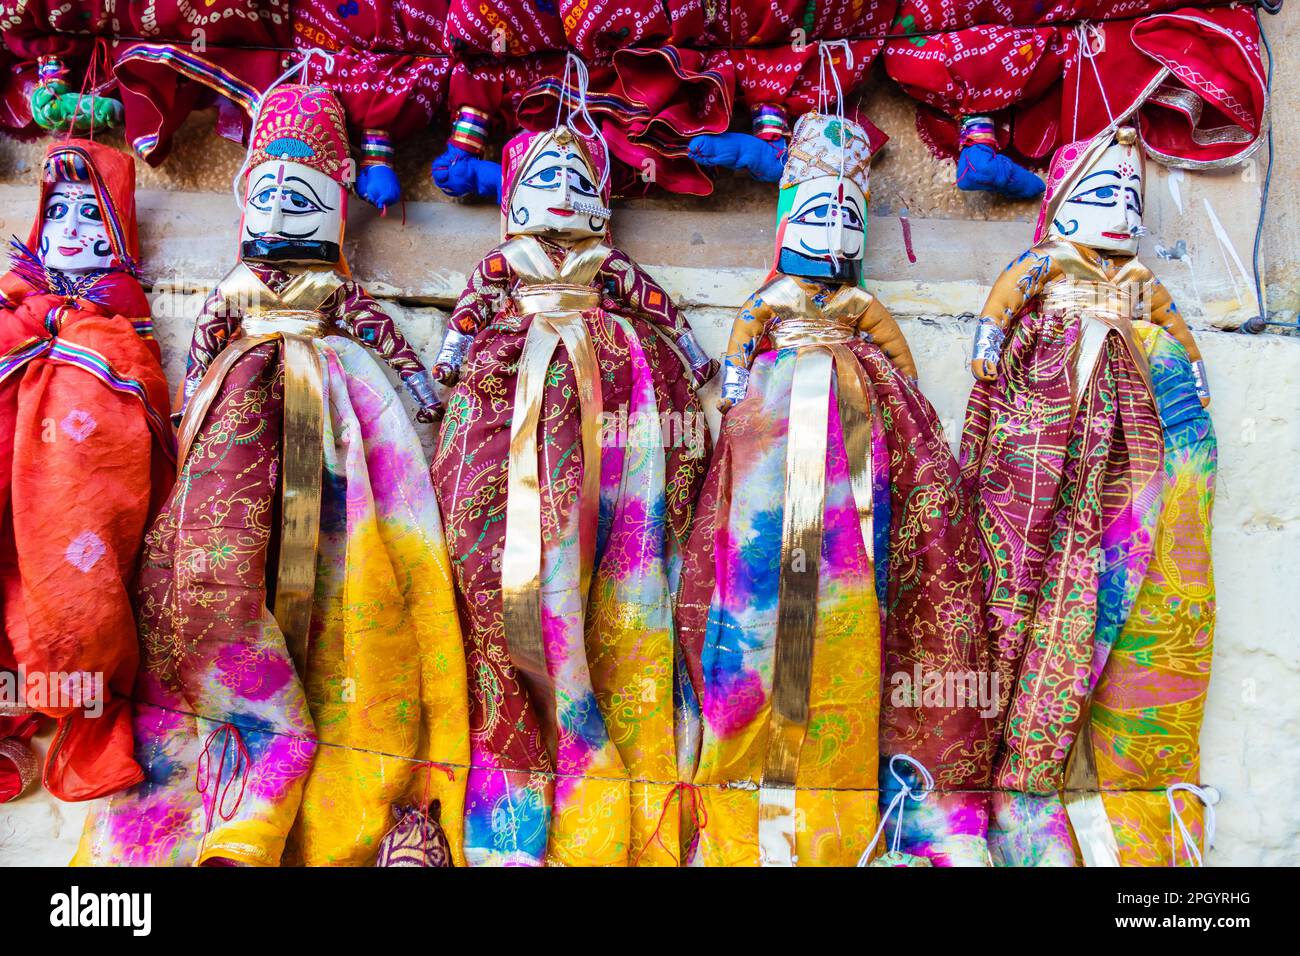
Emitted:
<point x="90" y="212"/>
<point x="581" y="184"/>
<point x="549" y="178"/>
<point x="292" y="202"/>
<point x="56" y="211"/>
<point x="823" y="214"/>
<point x="1105" y="196"/>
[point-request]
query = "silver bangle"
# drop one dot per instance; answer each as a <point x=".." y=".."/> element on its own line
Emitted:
<point x="696" y="357"/>
<point x="420" y="385"/>
<point x="454" y="348"/>
<point x="988" y="342"/>
<point x="1198" y="376"/>
<point x="735" y="383"/>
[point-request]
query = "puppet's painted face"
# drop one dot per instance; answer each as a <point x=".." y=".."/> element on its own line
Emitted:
<point x="1104" y="209"/>
<point x="825" y="234"/>
<point x="292" y="214"/>
<point x="74" y="236"/>
<point x="557" y="194"/>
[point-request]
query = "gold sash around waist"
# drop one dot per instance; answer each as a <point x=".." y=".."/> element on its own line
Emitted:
<point x="811" y="330"/>
<point x="302" y="453"/>
<point x="311" y="325"/>
<point x="801" y="550"/>
<point x="557" y="318"/>
<point x="555" y="297"/>
<point x="1108" y="304"/>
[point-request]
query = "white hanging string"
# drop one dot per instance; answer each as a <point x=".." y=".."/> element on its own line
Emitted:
<point x="896" y="804"/>
<point x="1092" y="43"/>
<point x="327" y="60"/>
<point x="1208" y="797"/>
<point x="825" y="61"/>
<point x="574" y="65"/>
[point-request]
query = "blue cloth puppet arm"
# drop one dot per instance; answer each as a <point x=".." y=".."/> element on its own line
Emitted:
<point x="457" y="173"/>
<point x="762" y="159"/>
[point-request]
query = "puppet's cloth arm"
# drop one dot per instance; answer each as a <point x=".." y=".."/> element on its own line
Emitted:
<point x="365" y="320"/>
<point x="746" y="333"/>
<point x="881" y="328"/>
<point x="216" y="323"/>
<point x="631" y="285"/>
<point x="1165" y="314"/>
<point x="484" y="296"/>
<point x="1019" y="284"/>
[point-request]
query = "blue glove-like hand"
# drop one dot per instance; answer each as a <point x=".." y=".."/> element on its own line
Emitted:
<point x="981" y="169"/>
<point x="457" y="173"/>
<point x="378" y="186"/>
<point x="761" y="159"/>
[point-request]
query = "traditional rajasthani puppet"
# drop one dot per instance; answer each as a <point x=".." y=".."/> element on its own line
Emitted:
<point x="1092" y="460"/>
<point x="303" y="538"/>
<point x="831" y="542"/>
<point x="565" y="506"/>
<point x="86" y="456"/>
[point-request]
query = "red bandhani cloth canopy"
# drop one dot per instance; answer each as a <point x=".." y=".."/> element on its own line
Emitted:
<point x="1210" y="106"/>
<point x="976" y="71"/>
<point x="663" y="72"/>
<point x="390" y="68"/>
<point x="925" y="16"/>
<point x="1192" y="81"/>
<point x="386" y="64"/>
<point x="504" y="27"/>
<point x="648" y="104"/>
<point x="752" y="23"/>
<point x="221" y="54"/>
<point x="1193" y="77"/>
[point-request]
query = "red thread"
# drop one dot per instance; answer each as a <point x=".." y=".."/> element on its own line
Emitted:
<point x="699" y="816"/>
<point x="907" y="234"/>
<point x="429" y="765"/>
<point x="92" y="72"/>
<point x="203" y="772"/>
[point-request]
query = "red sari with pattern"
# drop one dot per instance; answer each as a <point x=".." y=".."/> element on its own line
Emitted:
<point x="1090" y="462"/>
<point x="85" y="457"/>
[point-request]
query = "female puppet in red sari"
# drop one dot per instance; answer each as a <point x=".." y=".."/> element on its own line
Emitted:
<point x="831" y="547"/>
<point x="566" y="469"/>
<point x="85" y="457"/>
<point x="1091" y="458"/>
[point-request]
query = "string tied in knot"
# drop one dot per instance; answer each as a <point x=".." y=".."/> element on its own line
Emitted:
<point x="699" y="816"/>
<point x="1208" y="797"/>
<point x="432" y="765"/>
<point x="302" y="66"/>
<point x="575" y="67"/>
<point x="1092" y="43"/>
<point x="230" y="738"/>
<point x="826" y="63"/>
<point x="897" y="803"/>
